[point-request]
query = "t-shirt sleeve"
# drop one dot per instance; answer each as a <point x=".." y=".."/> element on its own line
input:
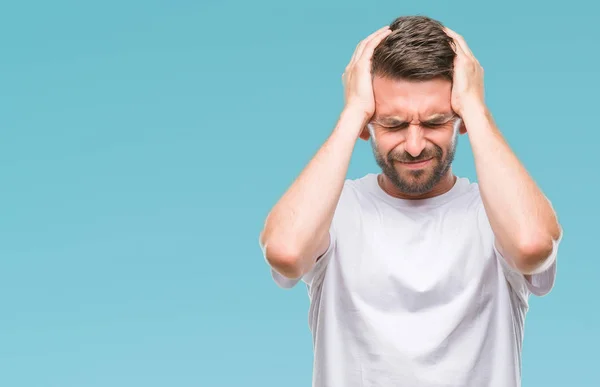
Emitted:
<point x="314" y="275"/>
<point x="539" y="283"/>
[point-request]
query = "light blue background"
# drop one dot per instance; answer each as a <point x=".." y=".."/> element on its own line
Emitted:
<point x="142" y="143"/>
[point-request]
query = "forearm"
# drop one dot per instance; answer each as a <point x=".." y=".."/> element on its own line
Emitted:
<point x="297" y="227"/>
<point x="523" y="220"/>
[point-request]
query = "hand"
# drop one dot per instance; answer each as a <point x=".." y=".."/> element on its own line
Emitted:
<point x="467" y="88"/>
<point x="357" y="75"/>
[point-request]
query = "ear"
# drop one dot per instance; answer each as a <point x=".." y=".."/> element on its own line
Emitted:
<point x="463" y="128"/>
<point x="364" y="134"/>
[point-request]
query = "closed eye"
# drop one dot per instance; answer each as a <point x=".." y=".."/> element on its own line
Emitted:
<point x="396" y="126"/>
<point x="434" y="125"/>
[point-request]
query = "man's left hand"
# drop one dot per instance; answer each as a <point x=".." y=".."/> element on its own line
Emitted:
<point x="467" y="88"/>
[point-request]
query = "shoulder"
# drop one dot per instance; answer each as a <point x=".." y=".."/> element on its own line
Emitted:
<point x="360" y="185"/>
<point x="357" y="191"/>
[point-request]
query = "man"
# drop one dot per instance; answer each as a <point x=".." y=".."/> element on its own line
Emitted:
<point x="416" y="277"/>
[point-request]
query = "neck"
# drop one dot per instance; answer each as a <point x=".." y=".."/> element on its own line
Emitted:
<point x="443" y="186"/>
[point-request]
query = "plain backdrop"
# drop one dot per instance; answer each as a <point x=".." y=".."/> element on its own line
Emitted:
<point x="142" y="144"/>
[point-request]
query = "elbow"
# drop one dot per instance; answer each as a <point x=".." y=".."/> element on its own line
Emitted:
<point x="282" y="258"/>
<point x="284" y="261"/>
<point x="531" y="254"/>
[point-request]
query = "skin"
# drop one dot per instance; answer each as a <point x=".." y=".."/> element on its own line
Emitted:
<point x="523" y="220"/>
<point x="397" y="115"/>
<point x="414" y="121"/>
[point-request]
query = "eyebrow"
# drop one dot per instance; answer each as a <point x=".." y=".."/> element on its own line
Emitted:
<point x="440" y="117"/>
<point x="434" y="118"/>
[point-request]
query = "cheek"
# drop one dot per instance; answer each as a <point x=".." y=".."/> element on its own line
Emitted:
<point x="444" y="139"/>
<point x="389" y="142"/>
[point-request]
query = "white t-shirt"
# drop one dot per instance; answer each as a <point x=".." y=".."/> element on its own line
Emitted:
<point x="414" y="293"/>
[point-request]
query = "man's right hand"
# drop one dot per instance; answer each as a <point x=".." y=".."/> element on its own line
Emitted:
<point x="296" y="231"/>
<point x="358" y="85"/>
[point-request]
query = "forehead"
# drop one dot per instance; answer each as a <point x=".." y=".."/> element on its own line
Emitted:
<point x="403" y="98"/>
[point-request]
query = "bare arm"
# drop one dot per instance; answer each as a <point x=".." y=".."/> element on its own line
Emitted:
<point x="296" y="231"/>
<point x="523" y="220"/>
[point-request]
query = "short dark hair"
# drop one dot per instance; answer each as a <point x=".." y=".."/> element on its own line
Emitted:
<point x="417" y="49"/>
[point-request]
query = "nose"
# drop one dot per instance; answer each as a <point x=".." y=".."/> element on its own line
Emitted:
<point x="415" y="141"/>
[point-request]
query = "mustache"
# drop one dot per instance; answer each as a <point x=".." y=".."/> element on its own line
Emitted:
<point x="427" y="153"/>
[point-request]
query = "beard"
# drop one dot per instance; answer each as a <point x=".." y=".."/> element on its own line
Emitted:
<point x="417" y="181"/>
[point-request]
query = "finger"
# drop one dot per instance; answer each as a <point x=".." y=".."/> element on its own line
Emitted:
<point x="367" y="52"/>
<point x="374" y="36"/>
<point x="457" y="47"/>
<point x="460" y="42"/>
<point x="359" y="50"/>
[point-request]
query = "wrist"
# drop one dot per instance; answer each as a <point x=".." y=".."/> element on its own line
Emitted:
<point x="475" y="114"/>
<point x="353" y="120"/>
<point x="356" y="114"/>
